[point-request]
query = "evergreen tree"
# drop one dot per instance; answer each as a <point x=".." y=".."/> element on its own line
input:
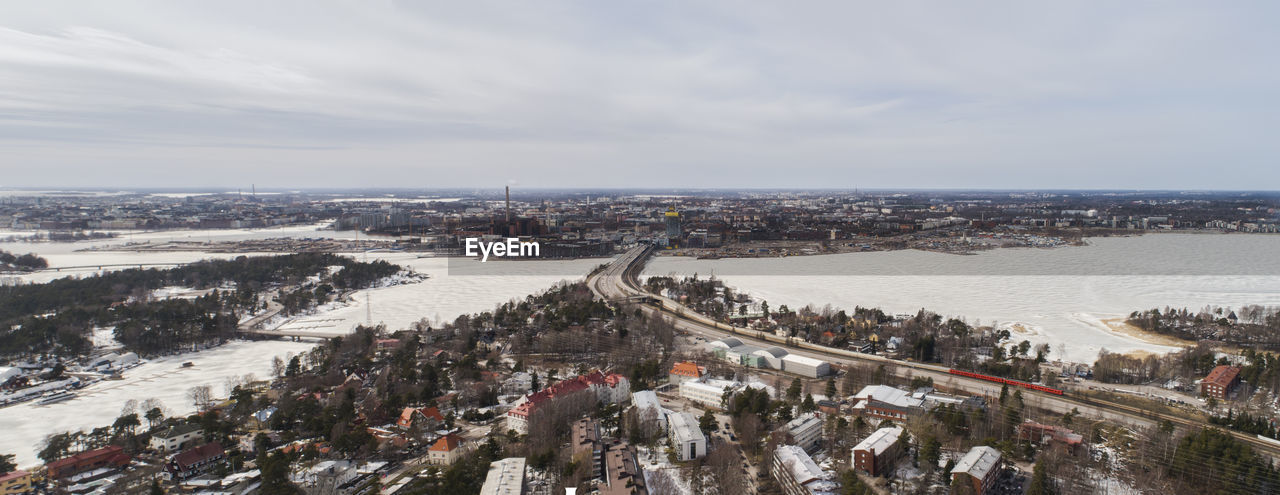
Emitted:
<point x="1040" y="480"/>
<point x="808" y="405"/>
<point x="6" y="464"/>
<point x="793" y="392"/>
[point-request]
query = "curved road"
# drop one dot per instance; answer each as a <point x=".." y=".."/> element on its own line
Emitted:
<point x="619" y="282"/>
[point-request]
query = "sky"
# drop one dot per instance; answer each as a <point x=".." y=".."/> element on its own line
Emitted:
<point x="843" y="94"/>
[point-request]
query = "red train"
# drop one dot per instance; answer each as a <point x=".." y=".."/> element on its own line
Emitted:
<point x="1030" y="386"/>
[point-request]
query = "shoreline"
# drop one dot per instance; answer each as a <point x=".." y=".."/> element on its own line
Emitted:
<point x="1121" y="326"/>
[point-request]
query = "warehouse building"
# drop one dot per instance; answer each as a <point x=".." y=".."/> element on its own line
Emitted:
<point x="772" y="357"/>
<point x="805" y="366"/>
<point x="733" y="350"/>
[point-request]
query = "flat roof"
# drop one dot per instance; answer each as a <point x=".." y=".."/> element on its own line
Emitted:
<point x="685" y="427"/>
<point x="645" y="399"/>
<point x="880" y="440"/>
<point x="506" y="476"/>
<point x="978" y="462"/>
<point x="708" y="387"/>
<point x="805" y="360"/>
<point x="799" y="464"/>
<point x="803" y="421"/>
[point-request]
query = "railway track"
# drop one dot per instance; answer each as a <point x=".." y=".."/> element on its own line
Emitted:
<point x="621" y="278"/>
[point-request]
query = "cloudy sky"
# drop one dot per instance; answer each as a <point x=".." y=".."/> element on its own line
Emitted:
<point x="654" y="94"/>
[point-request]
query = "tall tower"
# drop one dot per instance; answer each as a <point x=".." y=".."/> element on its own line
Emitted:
<point x="673" y="226"/>
<point x="506" y="225"/>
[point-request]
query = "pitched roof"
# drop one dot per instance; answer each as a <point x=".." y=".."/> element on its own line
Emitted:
<point x="885" y="394"/>
<point x="13" y="475"/>
<point x="1222" y="375"/>
<point x="199" y="454"/>
<point x="433" y="413"/>
<point x="406" y="415"/>
<point x="175" y="431"/>
<point x="565" y="387"/>
<point x="110" y="451"/>
<point x="447" y="443"/>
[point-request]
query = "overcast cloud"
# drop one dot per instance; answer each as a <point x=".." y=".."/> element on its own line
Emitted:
<point x="665" y="94"/>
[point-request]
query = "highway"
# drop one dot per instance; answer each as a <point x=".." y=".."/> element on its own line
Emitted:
<point x="619" y="282"/>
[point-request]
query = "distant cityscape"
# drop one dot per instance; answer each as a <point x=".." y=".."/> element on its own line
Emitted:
<point x="702" y="223"/>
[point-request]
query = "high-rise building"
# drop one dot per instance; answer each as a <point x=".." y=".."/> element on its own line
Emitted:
<point x="673" y="226"/>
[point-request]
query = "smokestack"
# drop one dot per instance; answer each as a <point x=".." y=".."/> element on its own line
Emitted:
<point x="508" y="205"/>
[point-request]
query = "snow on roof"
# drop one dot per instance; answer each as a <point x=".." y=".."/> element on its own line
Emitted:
<point x="978" y="462"/>
<point x="685" y="427"/>
<point x="505" y="476"/>
<point x="805" y="360"/>
<point x="886" y="394"/>
<point x="802" y="468"/>
<point x="645" y="399"/>
<point x="774" y="351"/>
<point x="803" y="422"/>
<point x="880" y="440"/>
<point x="727" y="342"/>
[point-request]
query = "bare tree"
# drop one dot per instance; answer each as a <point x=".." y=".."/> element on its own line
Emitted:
<point x="130" y="407"/>
<point x="661" y="483"/>
<point x="152" y="403"/>
<point x="229" y="385"/>
<point x="749" y="428"/>
<point x="723" y="465"/>
<point x="201" y="396"/>
<point x="277" y="367"/>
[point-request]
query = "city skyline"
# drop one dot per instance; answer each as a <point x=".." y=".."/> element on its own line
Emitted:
<point x="659" y="96"/>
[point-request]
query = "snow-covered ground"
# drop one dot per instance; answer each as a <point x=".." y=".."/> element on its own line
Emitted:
<point x="105" y="338"/>
<point x="453" y="287"/>
<point x="26" y="425"/>
<point x="654" y="462"/>
<point x="1032" y="288"/>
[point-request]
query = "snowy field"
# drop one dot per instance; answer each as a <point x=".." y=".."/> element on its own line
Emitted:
<point x="26" y="425"/>
<point x="1063" y="310"/>
<point x="454" y="287"/>
<point x="72" y="254"/>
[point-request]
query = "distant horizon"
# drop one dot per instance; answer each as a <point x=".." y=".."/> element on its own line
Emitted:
<point x="515" y="189"/>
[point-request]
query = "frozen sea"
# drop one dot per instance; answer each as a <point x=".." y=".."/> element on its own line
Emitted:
<point x="1060" y="295"/>
<point x="453" y="287"/>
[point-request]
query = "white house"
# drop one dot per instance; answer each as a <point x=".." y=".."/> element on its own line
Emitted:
<point x="686" y="438"/>
<point x="177" y="438"/>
